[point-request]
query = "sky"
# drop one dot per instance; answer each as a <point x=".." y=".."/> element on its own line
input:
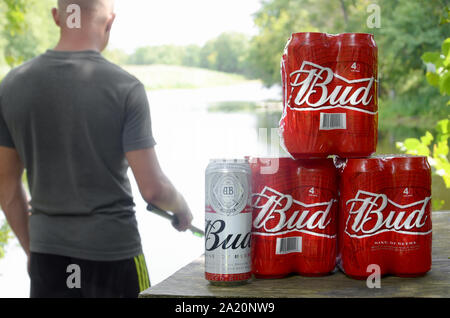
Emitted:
<point x="180" y="22"/>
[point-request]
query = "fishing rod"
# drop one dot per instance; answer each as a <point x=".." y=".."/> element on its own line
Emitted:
<point x="170" y="216"/>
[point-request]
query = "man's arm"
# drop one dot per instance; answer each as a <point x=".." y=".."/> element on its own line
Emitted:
<point x="13" y="198"/>
<point x="156" y="188"/>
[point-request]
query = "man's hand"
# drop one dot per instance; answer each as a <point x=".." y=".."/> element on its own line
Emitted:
<point x="183" y="217"/>
<point x="183" y="221"/>
<point x="156" y="188"/>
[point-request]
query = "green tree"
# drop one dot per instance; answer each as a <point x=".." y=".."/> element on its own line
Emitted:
<point x="117" y="56"/>
<point x="13" y="18"/>
<point x="435" y="147"/>
<point x="278" y="19"/>
<point x="408" y="29"/>
<point x="191" y="56"/>
<point x="163" y="54"/>
<point x="226" y="53"/>
<point x="27" y="29"/>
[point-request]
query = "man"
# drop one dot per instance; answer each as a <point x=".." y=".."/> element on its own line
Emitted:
<point x="76" y="122"/>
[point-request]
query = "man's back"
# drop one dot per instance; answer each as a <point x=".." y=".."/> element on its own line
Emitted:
<point x="72" y="116"/>
<point x="75" y="122"/>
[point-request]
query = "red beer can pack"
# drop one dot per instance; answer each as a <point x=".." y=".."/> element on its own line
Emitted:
<point x="385" y="216"/>
<point x="329" y="95"/>
<point x="294" y="217"/>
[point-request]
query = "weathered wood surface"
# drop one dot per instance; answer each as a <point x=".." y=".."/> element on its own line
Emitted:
<point x="189" y="281"/>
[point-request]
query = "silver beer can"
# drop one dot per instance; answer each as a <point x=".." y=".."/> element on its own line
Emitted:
<point x="228" y="221"/>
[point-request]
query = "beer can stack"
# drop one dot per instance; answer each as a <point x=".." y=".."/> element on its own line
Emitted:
<point x="356" y="210"/>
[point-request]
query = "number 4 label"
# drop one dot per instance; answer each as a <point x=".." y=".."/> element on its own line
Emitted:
<point x="355" y="67"/>
<point x="406" y="191"/>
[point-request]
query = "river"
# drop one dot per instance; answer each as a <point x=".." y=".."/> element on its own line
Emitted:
<point x="190" y="127"/>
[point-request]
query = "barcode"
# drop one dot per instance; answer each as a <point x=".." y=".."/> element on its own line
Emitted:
<point x="289" y="245"/>
<point x="333" y="121"/>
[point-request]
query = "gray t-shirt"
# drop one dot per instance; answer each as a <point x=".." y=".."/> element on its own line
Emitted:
<point x="72" y="116"/>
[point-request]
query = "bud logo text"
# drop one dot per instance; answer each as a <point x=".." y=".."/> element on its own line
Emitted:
<point x="311" y="90"/>
<point x="271" y="205"/>
<point x="367" y="216"/>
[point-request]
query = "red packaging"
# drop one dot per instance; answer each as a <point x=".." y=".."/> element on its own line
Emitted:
<point x="329" y="95"/>
<point x="294" y="217"/>
<point x="385" y="216"/>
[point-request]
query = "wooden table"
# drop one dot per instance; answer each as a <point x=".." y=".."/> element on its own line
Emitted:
<point x="190" y="282"/>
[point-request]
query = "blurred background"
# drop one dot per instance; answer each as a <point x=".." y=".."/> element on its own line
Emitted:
<point x="211" y="68"/>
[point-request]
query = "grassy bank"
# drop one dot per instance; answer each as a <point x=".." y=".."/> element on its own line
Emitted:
<point x="174" y="77"/>
<point x="181" y="77"/>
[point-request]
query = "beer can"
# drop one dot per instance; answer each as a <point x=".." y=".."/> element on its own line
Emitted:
<point x="294" y="217"/>
<point x="385" y="216"/>
<point x="228" y="222"/>
<point x="330" y="92"/>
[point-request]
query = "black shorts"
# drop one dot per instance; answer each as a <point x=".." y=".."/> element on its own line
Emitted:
<point x="54" y="276"/>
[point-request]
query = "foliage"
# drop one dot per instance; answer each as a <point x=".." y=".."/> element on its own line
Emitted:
<point x="435" y="147"/>
<point x="438" y="68"/>
<point x="191" y="56"/>
<point x="226" y="53"/>
<point x="408" y="28"/>
<point x="15" y="27"/>
<point x="164" y="54"/>
<point x="5" y="235"/>
<point x="436" y="152"/>
<point x="26" y="30"/>
<point x="116" y="56"/>
<point x="278" y="19"/>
